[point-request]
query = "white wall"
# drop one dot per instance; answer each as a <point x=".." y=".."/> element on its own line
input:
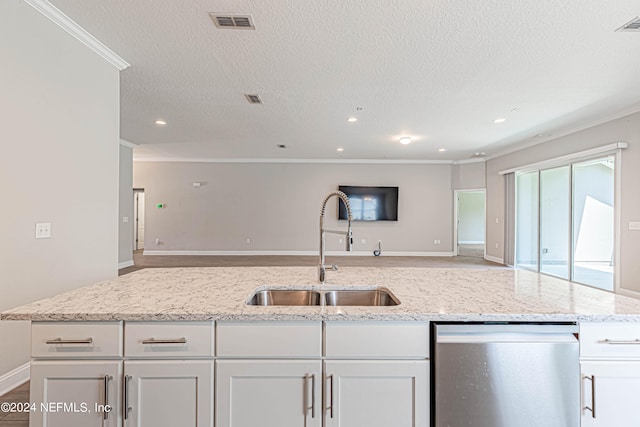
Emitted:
<point x="60" y="107"/>
<point x="125" y="201"/>
<point x="277" y="206"/>
<point x="625" y="129"/>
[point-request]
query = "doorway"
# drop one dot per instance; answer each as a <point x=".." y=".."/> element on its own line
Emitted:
<point x="469" y="223"/>
<point x="138" y="214"/>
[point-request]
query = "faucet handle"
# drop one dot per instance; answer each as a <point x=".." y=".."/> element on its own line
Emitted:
<point x="334" y="267"/>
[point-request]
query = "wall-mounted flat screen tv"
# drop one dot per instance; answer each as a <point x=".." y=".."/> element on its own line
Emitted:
<point x="370" y="203"/>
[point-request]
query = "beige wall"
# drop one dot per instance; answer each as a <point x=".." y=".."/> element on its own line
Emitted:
<point x="277" y="205"/>
<point x="625" y="129"/>
<point x="125" y="208"/>
<point x="468" y="176"/>
<point x="60" y="107"/>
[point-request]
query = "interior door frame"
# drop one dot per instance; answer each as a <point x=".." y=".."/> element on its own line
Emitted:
<point x="456" y="193"/>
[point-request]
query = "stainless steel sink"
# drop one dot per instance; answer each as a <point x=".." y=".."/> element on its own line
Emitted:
<point x="374" y="297"/>
<point x="285" y="297"/>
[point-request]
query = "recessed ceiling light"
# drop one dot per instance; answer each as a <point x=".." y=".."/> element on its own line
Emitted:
<point x="405" y="140"/>
<point x="340" y="149"/>
<point x="352" y="119"/>
<point x="500" y="120"/>
<point x="160" y="122"/>
<point x="442" y="150"/>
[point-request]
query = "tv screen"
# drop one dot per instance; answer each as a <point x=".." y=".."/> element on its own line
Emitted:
<point x="370" y="203"/>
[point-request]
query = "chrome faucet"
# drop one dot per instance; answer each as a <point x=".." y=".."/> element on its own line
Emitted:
<point x="349" y="238"/>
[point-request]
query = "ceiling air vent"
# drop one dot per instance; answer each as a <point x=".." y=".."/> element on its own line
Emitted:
<point x="633" y="25"/>
<point x="253" y="99"/>
<point x="236" y="22"/>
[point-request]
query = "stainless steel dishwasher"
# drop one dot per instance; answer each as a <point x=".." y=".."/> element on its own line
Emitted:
<point x="506" y="375"/>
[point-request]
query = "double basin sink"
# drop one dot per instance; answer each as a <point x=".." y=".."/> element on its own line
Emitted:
<point x="307" y="297"/>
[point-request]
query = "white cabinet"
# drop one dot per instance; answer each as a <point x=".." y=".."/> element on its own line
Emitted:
<point x="268" y="393"/>
<point x="165" y="379"/>
<point x="610" y="390"/>
<point x="377" y="393"/>
<point x="169" y="393"/>
<point x="610" y="372"/>
<point x="75" y="393"/>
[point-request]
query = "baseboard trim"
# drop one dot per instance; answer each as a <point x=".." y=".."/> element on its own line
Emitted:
<point x="14" y="378"/>
<point x="125" y="264"/>
<point x="297" y="253"/>
<point x="494" y="259"/>
<point x="628" y="293"/>
<point x="471" y="242"/>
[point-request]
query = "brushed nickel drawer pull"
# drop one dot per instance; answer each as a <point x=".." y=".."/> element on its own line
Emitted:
<point x="61" y="341"/>
<point x="592" y="378"/>
<point x="126" y="406"/>
<point x="182" y="340"/>
<point x="622" y="342"/>
<point x="106" y="410"/>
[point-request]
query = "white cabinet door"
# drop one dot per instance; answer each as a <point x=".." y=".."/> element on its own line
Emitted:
<point x="74" y="393"/>
<point x="376" y="393"/>
<point x="268" y="393"/>
<point x="610" y="390"/>
<point x="162" y="393"/>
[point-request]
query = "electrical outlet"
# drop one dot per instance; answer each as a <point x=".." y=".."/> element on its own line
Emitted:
<point x="364" y="241"/>
<point x="125" y="219"/>
<point x="497" y="220"/>
<point x="43" y="230"/>
<point x="157" y="241"/>
<point x="496" y="246"/>
<point x="436" y="242"/>
<point x="340" y="240"/>
<point x="248" y="241"/>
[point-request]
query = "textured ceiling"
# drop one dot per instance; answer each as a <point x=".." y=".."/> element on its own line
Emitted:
<point x="439" y="71"/>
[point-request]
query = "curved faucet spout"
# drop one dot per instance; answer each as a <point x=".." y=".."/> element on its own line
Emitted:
<point x="349" y="237"/>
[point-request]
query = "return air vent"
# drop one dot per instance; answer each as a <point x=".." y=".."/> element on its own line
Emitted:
<point x="633" y="25"/>
<point x="234" y="22"/>
<point x="253" y="99"/>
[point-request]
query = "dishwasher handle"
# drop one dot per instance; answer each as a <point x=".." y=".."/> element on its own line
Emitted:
<point x="517" y="333"/>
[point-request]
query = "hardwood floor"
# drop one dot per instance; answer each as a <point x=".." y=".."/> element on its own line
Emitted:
<point x="15" y="419"/>
<point x="21" y="394"/>
<point x="157" y="261"/>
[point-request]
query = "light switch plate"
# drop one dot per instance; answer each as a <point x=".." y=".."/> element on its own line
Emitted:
<point x="43" y="230"/>
<point x="634" y="225"/>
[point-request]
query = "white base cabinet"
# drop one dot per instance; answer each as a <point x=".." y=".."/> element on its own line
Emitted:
<point x="269" y="393"/>
<point x="377" y="393"/>
<point x="610" y="391"/>
<point x="161" y="393"/>
<point x="75" y="393"/>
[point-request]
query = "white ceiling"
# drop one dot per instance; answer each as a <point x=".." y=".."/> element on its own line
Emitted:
<point x="439" y="71"/>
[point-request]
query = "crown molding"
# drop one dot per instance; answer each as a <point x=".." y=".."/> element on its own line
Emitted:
<point x="338" y="161"/>
<point x="466" y="161"/>
<point x="63" y="21"/>
<point x="128" y="144"/>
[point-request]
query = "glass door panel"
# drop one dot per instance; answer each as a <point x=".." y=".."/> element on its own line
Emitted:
<point x="593" y="223"/>
<point x="555" y="206"/>
<point x="527" y="220"/>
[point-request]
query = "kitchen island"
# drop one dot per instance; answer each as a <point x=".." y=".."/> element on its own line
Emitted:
<point x="142" y="349"/>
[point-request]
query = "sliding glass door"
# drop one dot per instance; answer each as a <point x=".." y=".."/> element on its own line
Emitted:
<point x="555" y="208"/>
<point x="527" y="220"/>
<point x="565" y="222"/>
<point x="593" y="223"/>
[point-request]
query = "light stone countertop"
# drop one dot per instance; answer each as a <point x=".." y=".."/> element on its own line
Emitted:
<point x="426" y="294"/>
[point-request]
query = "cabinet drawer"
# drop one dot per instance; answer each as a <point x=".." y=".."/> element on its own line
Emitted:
<point x="269" y="339"/>
<point x="398" y="340"/>
<point x="610" y="340"/>
<point x="168" y="339"/>
<point x="79" y="340"/>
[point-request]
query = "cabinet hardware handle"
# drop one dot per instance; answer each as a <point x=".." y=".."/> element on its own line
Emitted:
<point x="331" y="395"/>
<point x="105" y="412"/>
<point x="182" y="340"/>
<point x="313" y="393"/>
<point x="126" y="406"/>
<point x="61" y="341"/>
<point x="592" y="378"/>
<point x="621" y="342"/>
